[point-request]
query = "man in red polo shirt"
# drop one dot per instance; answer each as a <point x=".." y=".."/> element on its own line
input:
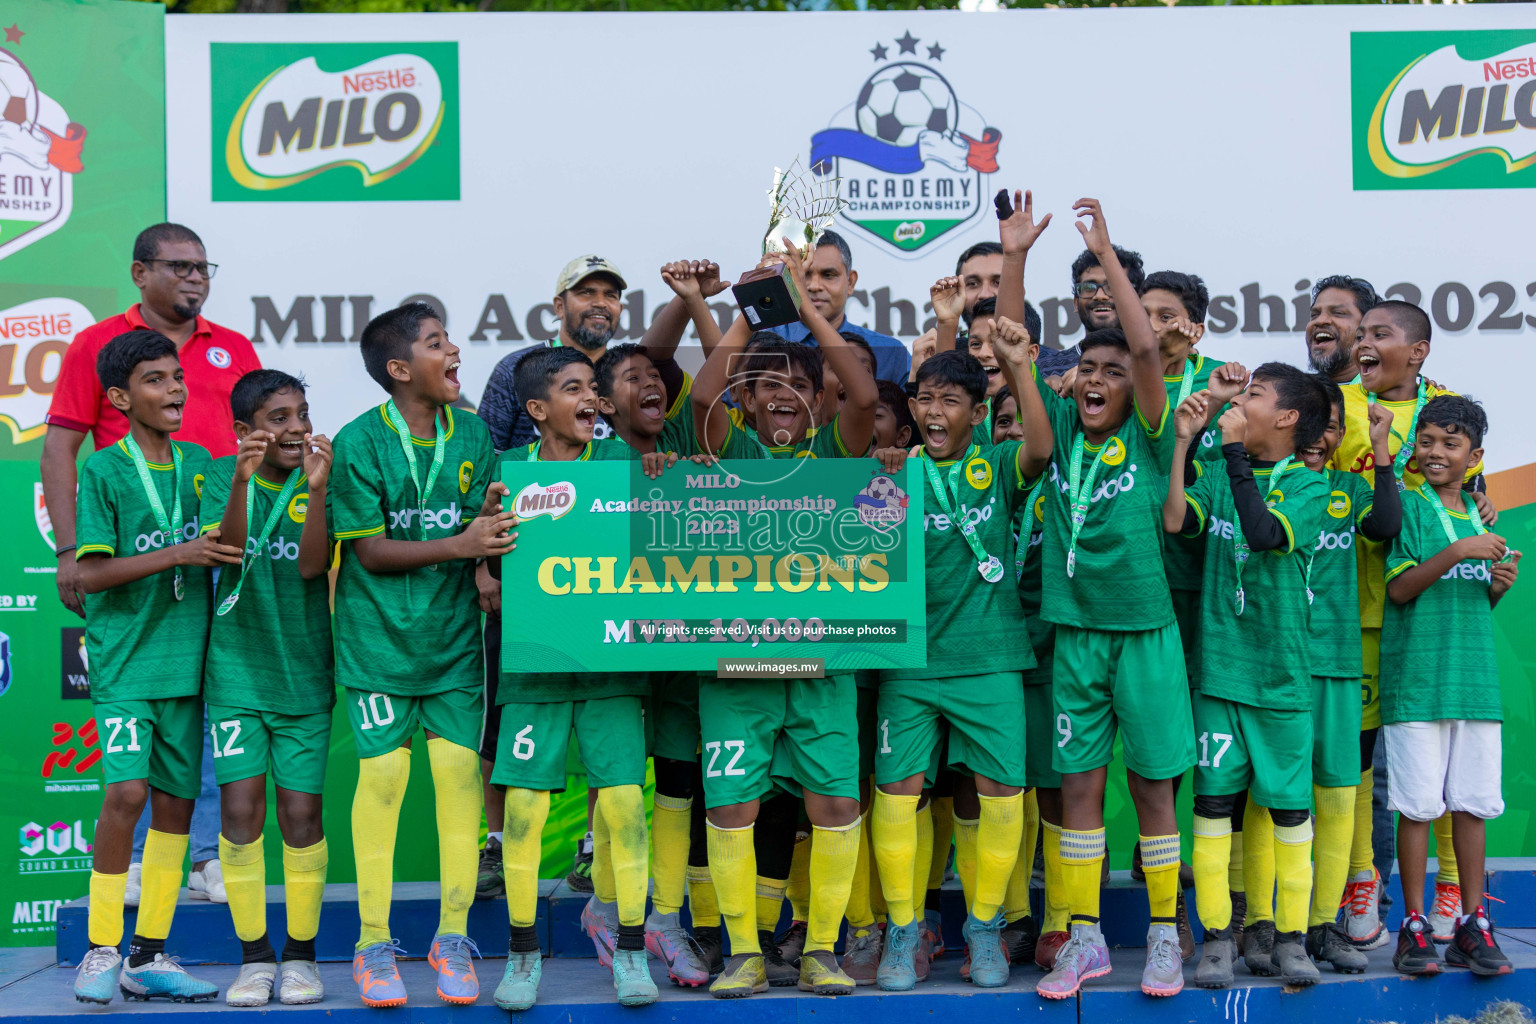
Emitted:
<point x="171" y="271"/>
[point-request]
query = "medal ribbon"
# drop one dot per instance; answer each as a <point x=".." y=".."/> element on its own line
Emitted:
<point x="1445" y="517"/>
<point x="249" y="557"/>
<point x="170" y="527"/>
<point x="941" y="491"/>
<point x="439" y="446"/>
<point x="1400" y="463"/>
<point x="1081" y="491"/>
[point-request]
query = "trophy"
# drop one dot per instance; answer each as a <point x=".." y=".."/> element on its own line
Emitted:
<point x="801" y="207"/>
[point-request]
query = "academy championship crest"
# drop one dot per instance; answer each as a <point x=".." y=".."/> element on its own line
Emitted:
<point x="39" y="157"/>
<point x="912" y="157"/>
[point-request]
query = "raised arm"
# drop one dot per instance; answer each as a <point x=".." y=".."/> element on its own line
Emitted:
<point x="315" y="538"/>
<point x="711" y="417"/>
<point x="1385" y="520"/>
<point x="947" y="296"/>
<point x="1146" y="363"/>
<point x="1017" y="230"/>
<point x="856" y="422"/>
<point x="1188" y="421"/>
<point x="1010" y="341"/>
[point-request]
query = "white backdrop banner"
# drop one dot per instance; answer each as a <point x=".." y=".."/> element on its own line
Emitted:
<point x="337" y="165"/>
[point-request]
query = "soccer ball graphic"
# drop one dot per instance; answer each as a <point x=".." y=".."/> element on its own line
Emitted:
<point x="901" y="101"/>
<point x="18" y="96"/>
<point x="883" y="488"/>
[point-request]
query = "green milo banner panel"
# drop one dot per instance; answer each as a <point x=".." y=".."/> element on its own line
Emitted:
<point x="334" y="122"/>
<point x="805" y="558"/>
<point x="1444" y="110"/>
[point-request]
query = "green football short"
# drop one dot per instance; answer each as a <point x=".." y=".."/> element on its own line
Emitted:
<point x="1040" y="736"/>
<point x="796" y="734"/>
<point x="158" y="740"/>
<point x="1132" y="683"/>
<point x="609" y="733"/>
<point x="672" y="718"/>
<point x="1186" y="614"/>
<point x="1266" y="752"/>
<point x="1336" y="714"/>
<point x="382" y="722"/>
<point x="246" y="742"/>
<point x="869" y="729"/>
<point x="986" y="721"/>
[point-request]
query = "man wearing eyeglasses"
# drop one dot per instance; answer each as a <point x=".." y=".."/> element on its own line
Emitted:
<point x="172" y="273"/>
<point x="1096" y="310"/>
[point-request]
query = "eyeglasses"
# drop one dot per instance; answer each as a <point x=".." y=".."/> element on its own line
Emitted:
<point x="1088" y="289"/>
<point x="184" y="268"/>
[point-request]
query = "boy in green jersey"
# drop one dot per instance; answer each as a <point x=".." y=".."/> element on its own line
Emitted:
<point x="269" y="703"/>
<point x="538" y="714"/>
<point x="408" y="478"/>
<point x="977" y="644"/>
<point x="143" y="567"/>
<point x="1253" y="714"/>
<point x="1440" y="707"/>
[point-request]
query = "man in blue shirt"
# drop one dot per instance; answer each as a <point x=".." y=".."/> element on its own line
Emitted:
<point x="830" y="279"/>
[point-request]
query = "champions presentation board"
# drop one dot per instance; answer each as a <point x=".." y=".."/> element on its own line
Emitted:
<point x="337" y="165"/>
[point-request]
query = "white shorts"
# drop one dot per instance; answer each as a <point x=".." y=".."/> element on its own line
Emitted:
<point x="1451" y="764"/>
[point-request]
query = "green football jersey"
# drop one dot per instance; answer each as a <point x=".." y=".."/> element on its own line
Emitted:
<point x="1437" y="653"/>
<point x="1118" y="583"/>
<point x="143" y="643"/>
<point x="272" y="650"/>
<point x="609" y="449"/>
<point x="1335" y="577"/>
<point x="1028" y="545"/>
<point x="819" y="443"/>
<point x="1260" y="657"/>
<point x="974" y="627"/>
<point x="418" y="632"/>
<point x="1184" y="557"/>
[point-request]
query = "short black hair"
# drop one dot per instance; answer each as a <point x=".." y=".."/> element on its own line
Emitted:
<point x="979" y="249"/>
<point x="1335" y="394"/>
<point x="770" y="355"/>
<point x="894" y="397"/>
<point x="982" y="309"/>
<point x="535" y="372"/>
<point x="1413" y="320"/>
<point x="853" y="338"/>
<point x="251" y="391"/>
<point x="1301" y="391"/>
<point x="833" y="238"/>
<point x="1130" y="260"/>
<point x="118" y="357"/>
<point x="1032" y="321"/>
<point x="1105" y="337"/>
<point x="1456" y="414"/>
<point x="147" y="246"/>
<point x="608" y="364"/>
<point x="959" y="369"/>
<point x="390" y="336"/>
<point x="761" y="338"/>
<point x="1364" y="293"/>
<point x="1188" y="287"/>
<point x="1003" y="394"/>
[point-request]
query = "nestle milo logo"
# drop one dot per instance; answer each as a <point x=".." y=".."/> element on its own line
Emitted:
<point x="1444" y="109"/>
<point x="335" y="122"/>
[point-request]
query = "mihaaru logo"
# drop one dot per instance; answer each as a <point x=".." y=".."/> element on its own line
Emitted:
<point x="912" y="157"/>
<point x="1444" y="109"/>
<point x="336" y="121"/>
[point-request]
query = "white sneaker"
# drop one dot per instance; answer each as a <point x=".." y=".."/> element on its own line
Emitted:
<point x="1362" y="911"/>
<point x="254" y="985"/>
<point x="300" y="983"/>
<point x="208" y="884"/>
<point x="134" y="885"/>
<point x="1446" y="909"/>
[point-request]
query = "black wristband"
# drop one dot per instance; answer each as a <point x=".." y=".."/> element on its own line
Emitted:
<point x="57" y="552"/>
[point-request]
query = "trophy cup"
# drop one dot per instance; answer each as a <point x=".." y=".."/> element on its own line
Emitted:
<point x="801" y="207"/>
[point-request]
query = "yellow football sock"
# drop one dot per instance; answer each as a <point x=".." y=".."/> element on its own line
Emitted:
<point x="733" y="864"/>
<point x="1212" y="852"/>
<point x="702" y="905"/>
<point x="1057" y="910"/>
<point x="770" y="902"/>
<point x="834" y="855"/>
<point x="922" y="861"/>
<point x="860" y="913"/>
<point x="460" y="800"/>
<point x="942" y="809"/>
<point x="603" y="885"/>
<point x="245" y="882"/>
<point x="104" y="926"/>
<point x="965" y="855"/>
<point x="1016" y="900"/>
<point x="1293" y="871"/>
<point x="877" y="907"/>
<point x="1160" y="864"/>
<point x="798" y="891"/>
<point x="375" y="818"/>
<point x="895" y="844"/>
<point x="623" y="809"/>
<point x="1081" y="854"/>
<point x="521" y="844"/>
<point x="304" y="871"/>
<point x="1361" y="856"/>
<point x="1259" y="863"/>
<point x="997" y="849"/>
<point x="1330" y="850"/>
<point x="1445" y="852"/>
<point x="1235" y="865"/>
<point x="163" y="856"/>
<point x="670" y="823"/>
